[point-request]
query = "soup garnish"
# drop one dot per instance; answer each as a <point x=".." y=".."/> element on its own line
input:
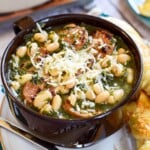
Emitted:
<point x="72" y="71"/>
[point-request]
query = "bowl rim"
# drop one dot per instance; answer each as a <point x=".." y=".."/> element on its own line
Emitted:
<point x="84" y="16"/>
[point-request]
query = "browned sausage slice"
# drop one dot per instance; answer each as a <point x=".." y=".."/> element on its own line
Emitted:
<point x="74" y="35"/>
<point x="69" y="109"/>
<point x="104" y="42"/>
<point x="30" y="90"/>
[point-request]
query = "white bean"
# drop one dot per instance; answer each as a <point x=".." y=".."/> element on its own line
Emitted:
<point x="118" y="94"/>
<point x="102" y="97"/>
<point x="46" y="108"/>
<point x="53" y="36"/>
<point x="42" y="98"/>
<point x="21" y="51"/>
<point x="117" y="70"/>
<point x="71" y="84"/>
<point x="111" y="100"/>
<point x="51" y="47"/>
<point x="90" y="95"/>
<point x="123" y="58"/>
<point x="97" y="88"/>
<point x="40" y="37"/>
<point x="121" y="51"/>
<point x="15" y="85"/>
<point x="56" y="103"/>
<point x="72" y="99"/>
<point x="130" y="75"/>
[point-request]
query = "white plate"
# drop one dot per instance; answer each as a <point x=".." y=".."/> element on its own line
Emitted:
<point x="120" y="140"/>
<point x="7" y="6"/>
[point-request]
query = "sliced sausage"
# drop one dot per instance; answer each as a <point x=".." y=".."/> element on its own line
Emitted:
<point x="30" y="90"/>
<point x="74" y="35"/>
<point x="103" y="42"/>
<point x="69" y="109"/>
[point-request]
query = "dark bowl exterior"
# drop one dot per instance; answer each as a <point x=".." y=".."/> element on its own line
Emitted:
<point x="71" y="133"/>
<point x="68" y="133"/>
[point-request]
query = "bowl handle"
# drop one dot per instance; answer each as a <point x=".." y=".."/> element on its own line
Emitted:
<point x="22" y="24"/>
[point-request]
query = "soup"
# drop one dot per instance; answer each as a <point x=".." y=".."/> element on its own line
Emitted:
<point x="71" y="71"/>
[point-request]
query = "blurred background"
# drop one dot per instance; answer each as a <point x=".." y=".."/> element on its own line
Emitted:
<point x="132" y="11"/>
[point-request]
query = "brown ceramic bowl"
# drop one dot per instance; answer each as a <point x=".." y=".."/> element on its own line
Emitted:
<point x="69" y="133"/>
